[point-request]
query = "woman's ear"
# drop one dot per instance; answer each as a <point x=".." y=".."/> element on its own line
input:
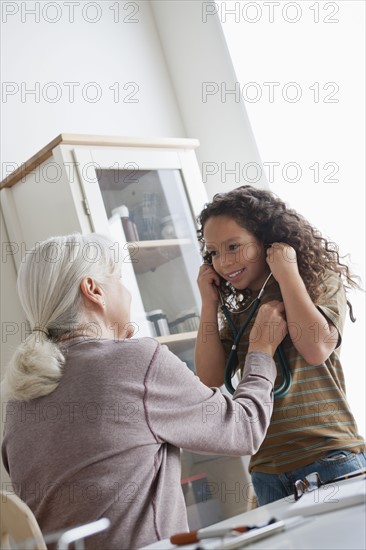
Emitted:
<point x="91" y="291"/>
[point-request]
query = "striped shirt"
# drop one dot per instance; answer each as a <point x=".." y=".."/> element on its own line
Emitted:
<point x="314" y="417"/>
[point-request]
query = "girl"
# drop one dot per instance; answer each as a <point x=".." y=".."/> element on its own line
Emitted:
<point x="245" y="235"/>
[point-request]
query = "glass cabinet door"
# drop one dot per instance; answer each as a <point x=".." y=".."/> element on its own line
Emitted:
<point x="143" y="200"/>
<point x="159" y="228"/>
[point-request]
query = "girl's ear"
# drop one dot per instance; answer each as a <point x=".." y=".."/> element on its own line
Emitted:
<point x="207" y="258"/>
<point x="91" y="290"/>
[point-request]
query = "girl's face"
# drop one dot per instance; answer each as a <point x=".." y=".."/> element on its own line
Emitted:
<point x="237" y="256"/>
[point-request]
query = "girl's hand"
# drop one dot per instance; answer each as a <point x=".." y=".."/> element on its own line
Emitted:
<point x="281" y="258"/>
<point x="208" y="281"/>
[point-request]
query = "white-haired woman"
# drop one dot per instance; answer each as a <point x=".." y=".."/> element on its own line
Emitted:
<point x="95" y="419"/>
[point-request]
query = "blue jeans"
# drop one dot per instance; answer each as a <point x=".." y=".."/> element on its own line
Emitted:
<point x="270" y="487"/>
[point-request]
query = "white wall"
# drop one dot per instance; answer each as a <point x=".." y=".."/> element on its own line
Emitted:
<point x="76" y="50"/>
<point x="200" y="68"/>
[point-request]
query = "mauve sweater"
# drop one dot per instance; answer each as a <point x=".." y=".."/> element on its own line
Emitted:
<point x="106" y="442"/>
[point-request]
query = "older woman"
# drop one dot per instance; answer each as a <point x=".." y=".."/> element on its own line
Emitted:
<point x="95" y="419"/>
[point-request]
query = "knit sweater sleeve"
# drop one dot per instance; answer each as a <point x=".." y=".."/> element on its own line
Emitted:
<point x="184" y="412"/>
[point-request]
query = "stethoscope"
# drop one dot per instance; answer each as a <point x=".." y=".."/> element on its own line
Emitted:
<point x="282" y="389"/>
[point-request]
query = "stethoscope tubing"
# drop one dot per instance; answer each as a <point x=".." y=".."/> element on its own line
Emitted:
<point x="283" y="388"/>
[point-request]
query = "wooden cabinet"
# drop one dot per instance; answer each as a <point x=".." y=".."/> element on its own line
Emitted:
<point x="110" y="185"/>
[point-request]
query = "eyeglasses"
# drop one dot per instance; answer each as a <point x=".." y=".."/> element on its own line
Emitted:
<point x="313" y="481"/>
<point x="309" y="483"/>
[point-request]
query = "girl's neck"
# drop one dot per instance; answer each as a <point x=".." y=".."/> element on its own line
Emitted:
<point x="260" y="281"/>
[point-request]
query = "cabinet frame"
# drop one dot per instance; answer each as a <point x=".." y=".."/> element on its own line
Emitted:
<point x="73" y="201"/>
<point x="88" y="161"/>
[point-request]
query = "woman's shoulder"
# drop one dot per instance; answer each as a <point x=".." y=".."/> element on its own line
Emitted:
<point x="103" y="362"/>
<point x="135" y="346"/>
<point x="87" y="342"/>
<point x="111" y="351"/>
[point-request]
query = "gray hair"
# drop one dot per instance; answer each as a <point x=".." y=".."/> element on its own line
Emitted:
<point x="49" y="290"/>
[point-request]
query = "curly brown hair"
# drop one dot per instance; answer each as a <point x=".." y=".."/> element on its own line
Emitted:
<point x="267" y="217"/>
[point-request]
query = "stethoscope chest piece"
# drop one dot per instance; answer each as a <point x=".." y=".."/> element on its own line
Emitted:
<point x="286" y="379"/>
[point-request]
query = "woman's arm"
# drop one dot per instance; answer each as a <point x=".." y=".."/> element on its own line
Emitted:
<point x="312" y="334"/>
<point x="184" y="412"/>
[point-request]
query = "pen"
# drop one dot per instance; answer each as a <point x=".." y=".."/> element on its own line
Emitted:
<point x="247" y="538"/>
<point x="196" y="536"/>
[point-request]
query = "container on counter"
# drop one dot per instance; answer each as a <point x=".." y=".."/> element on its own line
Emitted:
<point x="159" y="322"/>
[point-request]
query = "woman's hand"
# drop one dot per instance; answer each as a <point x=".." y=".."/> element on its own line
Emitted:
<point x="269" y="329"/>
<point x="208" y="281"/>
<point x="282" y="261"/>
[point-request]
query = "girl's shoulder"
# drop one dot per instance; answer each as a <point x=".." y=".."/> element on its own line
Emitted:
<point x="332" y="280"/>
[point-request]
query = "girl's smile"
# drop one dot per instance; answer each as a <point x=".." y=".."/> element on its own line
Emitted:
<point x="235" y="276"/>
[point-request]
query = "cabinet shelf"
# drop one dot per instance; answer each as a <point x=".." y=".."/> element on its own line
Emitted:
<point x="180" y="342"/>
<point x="148" y="255"/>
